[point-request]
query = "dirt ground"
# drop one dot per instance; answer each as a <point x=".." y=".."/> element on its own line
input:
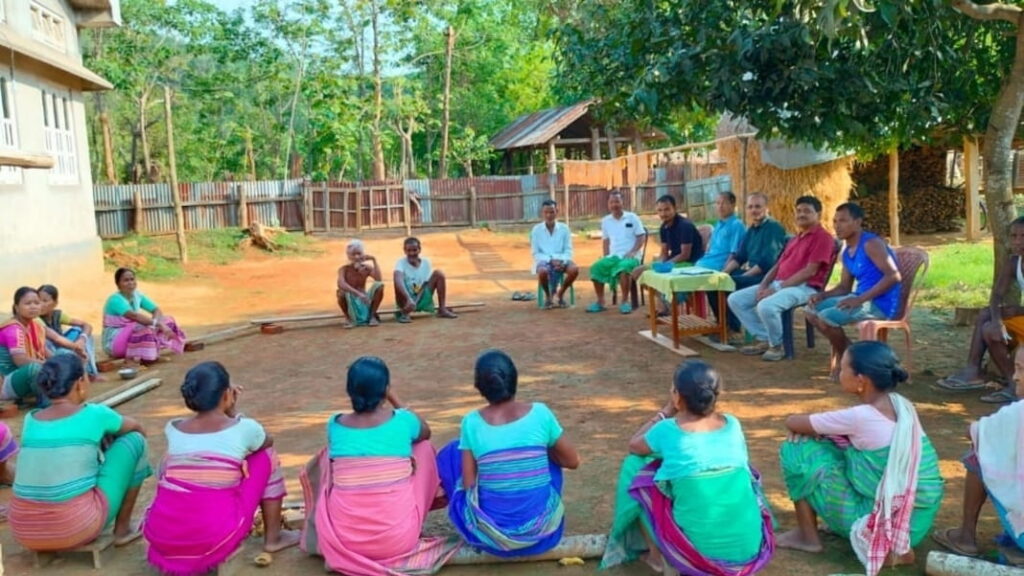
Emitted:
<point x="596" y="373"/>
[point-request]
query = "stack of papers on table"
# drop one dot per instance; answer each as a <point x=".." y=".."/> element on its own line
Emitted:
<point x="693" y="271"/>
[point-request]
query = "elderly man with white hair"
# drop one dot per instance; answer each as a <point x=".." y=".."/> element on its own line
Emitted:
<point x="358" y="300"/>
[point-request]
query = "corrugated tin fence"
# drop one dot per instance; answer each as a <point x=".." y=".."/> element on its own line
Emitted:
<point x="351" y="206"/>
<point x="148" y="208"/>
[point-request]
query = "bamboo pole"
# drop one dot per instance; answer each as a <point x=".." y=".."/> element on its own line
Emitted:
<point x="943" y="564"/>
<point x="103" y="397"/>
<point x="894" y="199"/>
<point x="179" y="216"/>
<point x="473" y="206"/>
<point x="552" y="167"/>
<point x="307" y="207"/>
<point x="972" y="181"/>
<point x="406" y="212"/>
<point x="327" y="207"/>
<point x="332" y="315"/>
<point x="137" y="390"/>
<point x="578" y="546"/>
<point x="243" y="209"/>
<point x="565" y="209"/>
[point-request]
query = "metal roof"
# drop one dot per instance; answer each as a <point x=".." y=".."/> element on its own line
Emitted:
<point x="539" y="128"/>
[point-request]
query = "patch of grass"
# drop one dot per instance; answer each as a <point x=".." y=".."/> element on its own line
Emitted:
<point x="959" y="275"/>
<point x="156" y="257"/>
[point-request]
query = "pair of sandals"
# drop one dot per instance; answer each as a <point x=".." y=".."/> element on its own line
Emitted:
<point x="624" y="308"/>
<point x="522" y="296"/>
<point x="1003" y="395"/>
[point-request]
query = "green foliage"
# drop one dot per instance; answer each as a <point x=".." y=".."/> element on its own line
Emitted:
<point x="804" y="70"/>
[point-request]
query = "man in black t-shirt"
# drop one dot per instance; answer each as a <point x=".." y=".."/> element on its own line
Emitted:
<point x="680" y="240"/>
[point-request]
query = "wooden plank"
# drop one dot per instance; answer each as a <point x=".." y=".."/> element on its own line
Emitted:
<point x="327" y="208"/>
<point x="95" y="549"/>
<point x="944" y="564"/>
<point x="222" y="335"/>
<point x="133" y="392"/>
<point x="25" y="160"/>
<point x="577" y="546"/>
<point x="715" y="345"/>
<point x="333" y="315"/>
<point x="142" y="377"/>
<point x="665" y="341"/>
<point x="406" y="212"/>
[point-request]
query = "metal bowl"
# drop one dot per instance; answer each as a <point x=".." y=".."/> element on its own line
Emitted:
<point x="128" y="373"/>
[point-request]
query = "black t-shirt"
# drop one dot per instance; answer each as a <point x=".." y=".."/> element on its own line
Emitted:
<point x="679" y="233"/>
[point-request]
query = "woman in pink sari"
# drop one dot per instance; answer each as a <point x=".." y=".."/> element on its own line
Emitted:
<point x="134" y="327"/>
<point x="368" y="493"/>
<point x="219" y="468"/>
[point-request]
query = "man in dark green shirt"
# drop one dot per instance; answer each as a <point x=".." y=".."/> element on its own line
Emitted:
<point x="763" y="243"/>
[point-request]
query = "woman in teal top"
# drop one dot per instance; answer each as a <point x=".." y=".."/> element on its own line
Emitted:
<point x="503" y="477"/>
<point x="687" y="492"/>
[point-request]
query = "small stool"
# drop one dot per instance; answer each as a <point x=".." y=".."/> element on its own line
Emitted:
<point x="96" y="548"/>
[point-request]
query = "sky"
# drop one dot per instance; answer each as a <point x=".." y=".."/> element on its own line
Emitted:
<point x="228" y="5"/>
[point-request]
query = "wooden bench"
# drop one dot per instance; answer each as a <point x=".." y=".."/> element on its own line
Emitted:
<point x="95" y="548"/>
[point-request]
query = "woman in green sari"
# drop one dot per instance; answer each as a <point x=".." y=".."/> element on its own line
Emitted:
<point x="686" y="493"/>
<point x="856" y="467"/>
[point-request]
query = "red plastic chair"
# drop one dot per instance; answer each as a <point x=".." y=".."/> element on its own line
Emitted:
<point x="912" y="263"/>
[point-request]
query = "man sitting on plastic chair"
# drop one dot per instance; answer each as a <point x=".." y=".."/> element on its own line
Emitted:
<point x="871" y="263"/>
<point x="551" y="244"/>
<point x="623" y="236"/>
<point x="680" y="240"/>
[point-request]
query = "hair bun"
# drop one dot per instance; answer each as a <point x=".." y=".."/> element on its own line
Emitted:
<point x="900" y="375"/>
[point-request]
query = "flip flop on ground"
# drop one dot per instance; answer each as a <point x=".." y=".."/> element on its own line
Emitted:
<point x="943" y="539"/>
<point x="1003" y="396"/>
<point x="958" y="384"/>
<point x="595" y="308"/>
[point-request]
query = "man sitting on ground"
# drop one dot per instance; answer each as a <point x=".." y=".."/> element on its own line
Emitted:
<point x="801" y="271"/>
<point x="415" y="284"/>
<point x="358" y="302"/>
<point x="680" y="240"/>
<point x="762" y="244"/>
<point x="551" y="244"/>
<point x="870" y="263"/>
<point x="623" y="237"/>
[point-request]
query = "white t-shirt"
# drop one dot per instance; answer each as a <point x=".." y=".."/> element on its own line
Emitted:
<point x="621" y="233"/>
<point x="237" y="441"/>
<point x="415" y="275"/>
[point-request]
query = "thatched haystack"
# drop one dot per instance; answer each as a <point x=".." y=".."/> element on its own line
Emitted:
<point x="829" y="182"/>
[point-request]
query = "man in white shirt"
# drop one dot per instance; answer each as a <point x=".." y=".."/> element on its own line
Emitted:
<point x="623" y="235"/>
<point x="551" y="244"/>
<point x="415" y="284"/>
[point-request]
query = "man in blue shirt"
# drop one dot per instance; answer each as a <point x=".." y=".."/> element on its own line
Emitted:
<point x="726" y="236"/>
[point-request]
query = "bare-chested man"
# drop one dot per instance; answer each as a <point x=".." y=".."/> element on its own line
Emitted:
<point x="358" y="302"/>
<point x="416" y="283"/>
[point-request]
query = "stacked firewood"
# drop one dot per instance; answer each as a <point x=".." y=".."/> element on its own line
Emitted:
<point x="922" y="210"/>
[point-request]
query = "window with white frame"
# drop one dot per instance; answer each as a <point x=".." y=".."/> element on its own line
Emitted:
<point x="8" y="131"/>
<point x="48" y="27"/>
<point x="3" y="15"/>
<point x="60" y="137"/>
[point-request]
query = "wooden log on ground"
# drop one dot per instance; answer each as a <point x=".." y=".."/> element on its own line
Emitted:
<point x="943" y="564"/>
<point x="137" y="390"/>
<point x="222" y="335"/>
<point x="333" y="315"/>
<point x="578" y="546"/>
<point x="142" y="377"/>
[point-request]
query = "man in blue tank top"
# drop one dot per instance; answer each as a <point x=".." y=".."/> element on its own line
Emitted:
<point x="869" y="288"/>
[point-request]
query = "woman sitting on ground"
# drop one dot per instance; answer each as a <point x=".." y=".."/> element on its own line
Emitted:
<point x="995" y="469"/>
<point x="23" y="348"/>
<point x="220" y="463"/>
<point x="368" y="493"/>
<point x="134" y="328"/>
<point x="857" y="467"/>
<point x="503" y="476"/>
<point x="77" y="339"/>
<point x="80" y="469"/>
<point x="687" y="493"/>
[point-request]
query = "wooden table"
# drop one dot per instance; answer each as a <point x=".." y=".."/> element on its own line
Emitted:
<point x="671" y="283"/>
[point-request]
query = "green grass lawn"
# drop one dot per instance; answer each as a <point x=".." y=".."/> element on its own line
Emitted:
<point x="959" y="275"/>
<point x="156" y="257"/>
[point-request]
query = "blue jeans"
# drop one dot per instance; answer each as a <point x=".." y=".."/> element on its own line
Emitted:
<point x="829" y="313"/>
<point x="764" y="319"/>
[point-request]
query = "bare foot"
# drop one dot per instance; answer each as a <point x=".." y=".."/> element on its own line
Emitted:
<point x="900" y="560"/>
<point x="127" y="537"/>
<point x="346" y="325"/>
<point x="286" y="539"/>
<point x="373" y="322"/>
<point x="445" y="312"/>
<point x="654" y="560"/>
<point x="794" y="540"/>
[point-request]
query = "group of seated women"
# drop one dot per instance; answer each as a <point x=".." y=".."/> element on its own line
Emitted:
<point x="134" y="328"/>
<point x="687" y="494"/>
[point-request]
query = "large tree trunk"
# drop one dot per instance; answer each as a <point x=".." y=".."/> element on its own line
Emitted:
<point x="1002" y="126"/>
<point x="378" y="97"/>
<point x="446" y="99"/>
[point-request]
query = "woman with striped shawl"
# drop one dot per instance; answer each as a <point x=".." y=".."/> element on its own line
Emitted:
<point x="134" y="327"/>
<point x="368" y="493"/>
<point x="80" y="469"/>
<point x="869" y="471"/>
<point x="503" y="476"/>
<point x="687" y="494"/>
<point x="218" y="463"/>
<point x="23" y="348"/>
